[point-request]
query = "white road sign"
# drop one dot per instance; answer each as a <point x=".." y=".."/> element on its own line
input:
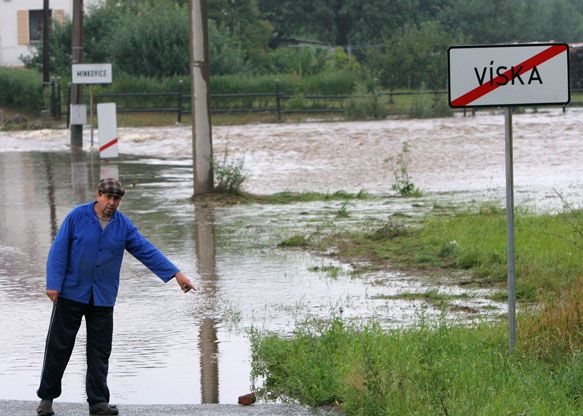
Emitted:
<point x="108" y="139"/>
<point x="91" y="74"/>
<point x="505" y="75"/>
<point x="78" y="114"/>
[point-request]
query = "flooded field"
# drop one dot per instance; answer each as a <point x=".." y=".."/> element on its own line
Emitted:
<point x="171" y="347"/>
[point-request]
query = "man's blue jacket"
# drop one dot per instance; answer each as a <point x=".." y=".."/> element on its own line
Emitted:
<point x="85" y="259"/>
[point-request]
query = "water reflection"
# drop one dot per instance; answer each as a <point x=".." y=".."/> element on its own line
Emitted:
<point x="51" y="196"/>
<point x="204" y="237"/>
<point x="79" y="175"/>
<point x="231" y="253"/>
<point x="108" y="170"/>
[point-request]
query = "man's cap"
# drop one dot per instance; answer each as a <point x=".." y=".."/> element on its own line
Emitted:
<point x="111" y="186"/>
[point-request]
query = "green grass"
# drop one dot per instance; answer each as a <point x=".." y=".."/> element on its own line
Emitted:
<point x="295" y="241"/>
<point x="286" y="197"/>
<point x="332" y="271"/>
<point x="549" y="255"/>
<point x="290" y="197"/>
<point x="426" y="370"/>
<point x="431" y="295"/>
<point x="441" y="368"/>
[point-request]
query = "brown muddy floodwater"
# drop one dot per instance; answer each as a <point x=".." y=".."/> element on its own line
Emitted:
<point x="171" y="347"/>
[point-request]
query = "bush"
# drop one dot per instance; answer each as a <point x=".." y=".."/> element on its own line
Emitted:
<point x="330" y="83"/>
<point x="426" y="106"/>
<point x="364" y="104"/>
<point x="123" y="83"/>
<point x="300" y="61"/>
<point x="226" y="54"/>
<point x="21" y="88"/>
<point x="228" y="175"/>
<point x="296" y="102"/>
<point x="155" y="45"/>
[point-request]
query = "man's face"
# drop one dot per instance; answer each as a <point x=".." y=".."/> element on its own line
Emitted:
<point x="108" y="203"/>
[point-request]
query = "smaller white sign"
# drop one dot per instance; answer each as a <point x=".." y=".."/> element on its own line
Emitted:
<point x="108" y="140"/>
<point x="78" y="114"/>
<point x="91" y="74"/>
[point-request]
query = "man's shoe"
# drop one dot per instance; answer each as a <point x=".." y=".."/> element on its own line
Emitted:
<point x="45" y="408"/>
<point x="100" y="409"/>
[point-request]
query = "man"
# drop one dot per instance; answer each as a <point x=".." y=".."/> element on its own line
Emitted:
<point x="83" y="268"/>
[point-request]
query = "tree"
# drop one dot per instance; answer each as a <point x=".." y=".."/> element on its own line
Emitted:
<point x="491" y="22"/>
<point x="227" y="55"/>
<point x="142" y="38"/>
<point x="413" y="58"/>
<point x="401" y="42"/>
<point x="344" y="22"/>
<point x="246" y="24"/>
<point x="153" y="45"/>
<point x="375" y="20"/>
<point x="564" y="21"/>
<point x="308" y="19"/>
<point x="60" y="47"/>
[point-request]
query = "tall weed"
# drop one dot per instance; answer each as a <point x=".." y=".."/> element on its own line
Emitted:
<point x="399" y="166"/>
<point x="228" y="174"/>
<point x="556" y="329"/>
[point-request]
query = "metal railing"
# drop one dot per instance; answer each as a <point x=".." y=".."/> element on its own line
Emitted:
<point x="277" y="103"/>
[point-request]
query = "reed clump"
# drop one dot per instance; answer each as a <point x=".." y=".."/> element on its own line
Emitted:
<point x="556" y="329"/>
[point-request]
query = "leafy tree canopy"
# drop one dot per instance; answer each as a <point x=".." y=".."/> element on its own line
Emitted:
<point x="400" y="43"/>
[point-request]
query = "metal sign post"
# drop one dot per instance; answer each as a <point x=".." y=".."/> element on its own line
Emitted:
<point x="91" y="74"/>
<point x="510" y="228"/>
<point x="91" y="112"/>
<point x="505" y="76"/>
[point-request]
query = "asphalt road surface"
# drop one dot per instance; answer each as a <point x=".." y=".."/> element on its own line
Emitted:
<point x="28" y="408"/>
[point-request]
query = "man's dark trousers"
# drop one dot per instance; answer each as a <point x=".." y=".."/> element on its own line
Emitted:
<point x="65" y="323"/>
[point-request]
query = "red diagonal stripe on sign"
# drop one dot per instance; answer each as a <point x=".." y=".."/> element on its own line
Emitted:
<point x="525" y="66"/>
<point x="108" y="144"/>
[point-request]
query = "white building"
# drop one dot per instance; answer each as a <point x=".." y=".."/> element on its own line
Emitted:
<point x="21" y="25"/>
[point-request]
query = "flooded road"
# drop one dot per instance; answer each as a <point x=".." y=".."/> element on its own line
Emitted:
<point x="171" y="347"/>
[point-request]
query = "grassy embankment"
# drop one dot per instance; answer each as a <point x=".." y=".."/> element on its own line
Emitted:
<point x="442" y="368"/>
<point x="286" y="197"/>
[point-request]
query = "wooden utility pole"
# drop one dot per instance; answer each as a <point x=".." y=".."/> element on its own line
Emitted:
<point x="77" y="55"/>
<point x="46" y="105"/>
<point x="202" y="148"/>
<point x="206" y="257"/>
<point x="46" y="52"/>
